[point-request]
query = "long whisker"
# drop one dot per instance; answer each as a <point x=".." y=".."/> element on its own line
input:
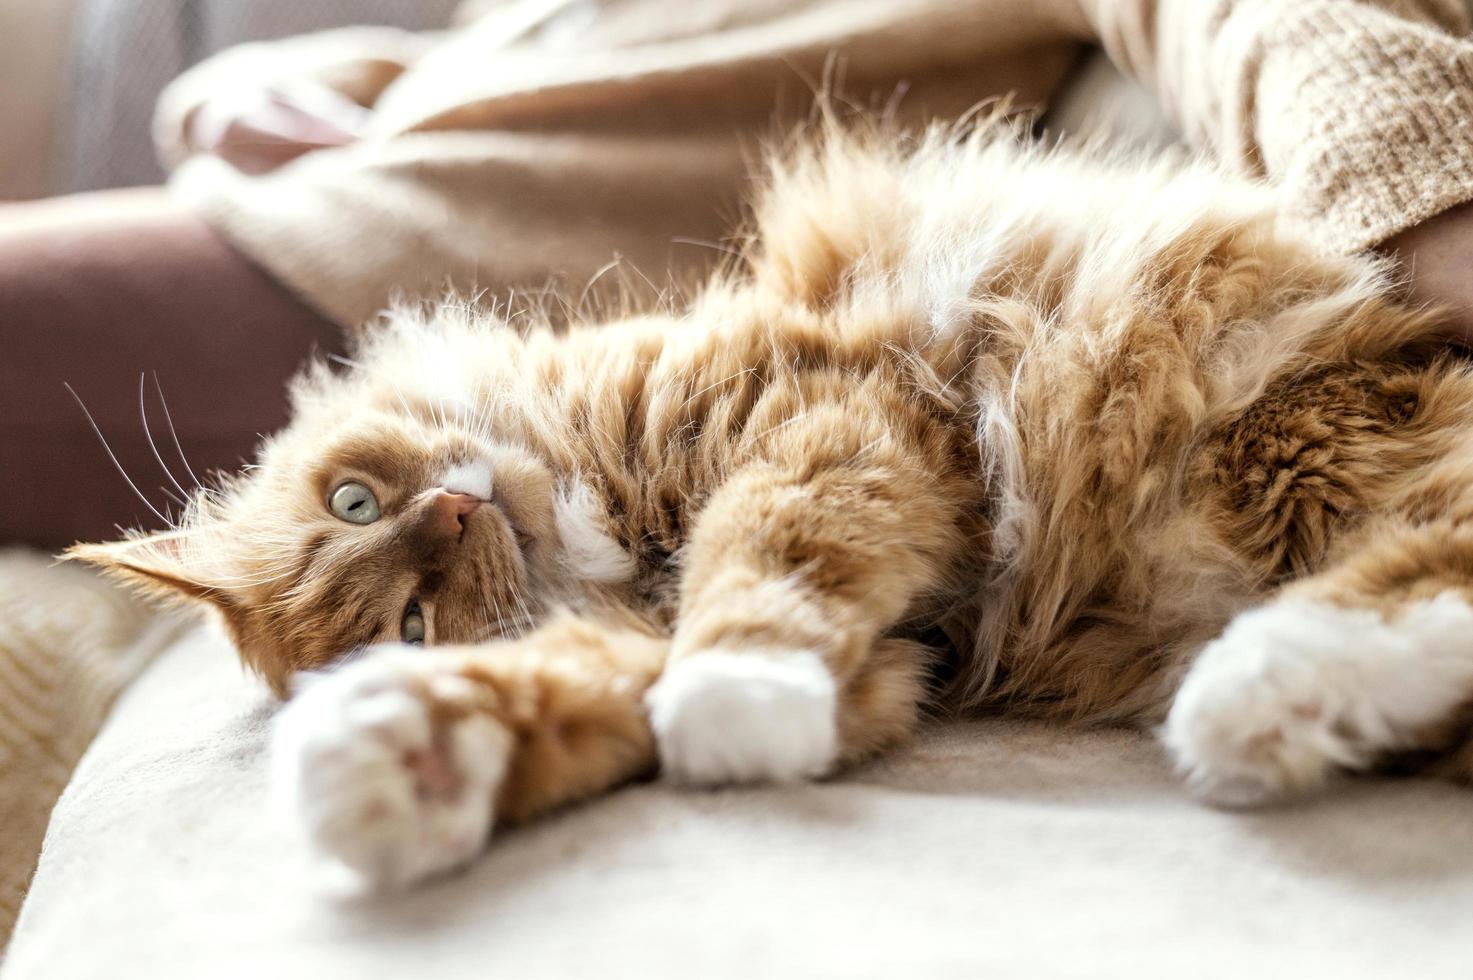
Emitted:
<point x="181" y="500"/>
<point x="174" y="433"/>
<point x="112" y="456"/>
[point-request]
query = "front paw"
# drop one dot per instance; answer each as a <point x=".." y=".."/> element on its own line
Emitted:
<point x="744" y="717"/>
<point x="387" y="769"/>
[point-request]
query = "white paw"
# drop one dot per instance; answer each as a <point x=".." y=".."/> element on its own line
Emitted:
<point x="1295" y="690"/>
<point x="382" y="773"/>
<point x="744" y="717"/>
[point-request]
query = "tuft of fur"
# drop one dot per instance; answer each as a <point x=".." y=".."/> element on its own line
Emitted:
<point x="589" y="552"/>
<point x="1105" y="426"/>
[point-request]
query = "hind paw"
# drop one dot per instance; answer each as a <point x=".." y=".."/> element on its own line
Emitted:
<point x="1295" y="691"/>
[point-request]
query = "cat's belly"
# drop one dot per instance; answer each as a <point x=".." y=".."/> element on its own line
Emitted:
<point x="1120" y="560"/>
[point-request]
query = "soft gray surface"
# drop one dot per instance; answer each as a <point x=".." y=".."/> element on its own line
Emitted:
<point x="990" y="849"/>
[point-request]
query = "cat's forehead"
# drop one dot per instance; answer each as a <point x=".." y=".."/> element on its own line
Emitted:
<point x="385" y="452"/>
<point x="378" y="445"/>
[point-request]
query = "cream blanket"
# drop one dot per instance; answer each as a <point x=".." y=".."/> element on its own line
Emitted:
<point x="990" y="849"/>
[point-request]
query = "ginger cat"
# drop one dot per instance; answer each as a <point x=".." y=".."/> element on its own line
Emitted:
<point x="1104" y="435"/>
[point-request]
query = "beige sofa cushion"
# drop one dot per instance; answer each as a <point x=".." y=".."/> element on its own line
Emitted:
<point x="991" y="849"/>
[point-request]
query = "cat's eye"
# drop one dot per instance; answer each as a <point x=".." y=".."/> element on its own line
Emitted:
<point x="354" y="503"/>
<point x="412" y="629"/>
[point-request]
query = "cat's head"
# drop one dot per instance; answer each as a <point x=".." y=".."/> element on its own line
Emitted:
<point x="390" y="509"/>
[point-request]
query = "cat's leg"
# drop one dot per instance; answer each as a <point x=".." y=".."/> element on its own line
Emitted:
<point x="1370" y="658"/>
<point x="778" y="669"/>
<point x="398" y="765"/>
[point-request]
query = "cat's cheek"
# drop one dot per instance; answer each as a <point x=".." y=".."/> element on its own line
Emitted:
<point x="723" y="718"/>
<point x="377" y="781"/>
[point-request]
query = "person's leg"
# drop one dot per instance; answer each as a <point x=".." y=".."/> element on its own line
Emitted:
<point x="97" y="290"/>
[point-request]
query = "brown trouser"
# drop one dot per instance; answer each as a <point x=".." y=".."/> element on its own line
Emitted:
<point x="95" y="291"/>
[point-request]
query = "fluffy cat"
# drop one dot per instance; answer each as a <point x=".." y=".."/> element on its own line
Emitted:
<point x="1105" y="438"/>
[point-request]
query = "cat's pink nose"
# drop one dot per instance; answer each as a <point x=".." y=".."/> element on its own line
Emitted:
<point x="447" y="511"/>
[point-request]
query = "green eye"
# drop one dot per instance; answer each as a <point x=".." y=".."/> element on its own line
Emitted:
<point x="412" y="630"/>
<point x="354" y="503"/>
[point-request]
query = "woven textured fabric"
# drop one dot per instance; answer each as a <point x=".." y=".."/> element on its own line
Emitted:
<point x="71" y="643"/>
<point x="126" y="51"/>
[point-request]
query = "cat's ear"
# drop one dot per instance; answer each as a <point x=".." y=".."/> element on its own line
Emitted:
<point x="163" y="565"/>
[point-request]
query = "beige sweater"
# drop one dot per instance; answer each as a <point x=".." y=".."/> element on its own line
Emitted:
<point x="544" y="138"/>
